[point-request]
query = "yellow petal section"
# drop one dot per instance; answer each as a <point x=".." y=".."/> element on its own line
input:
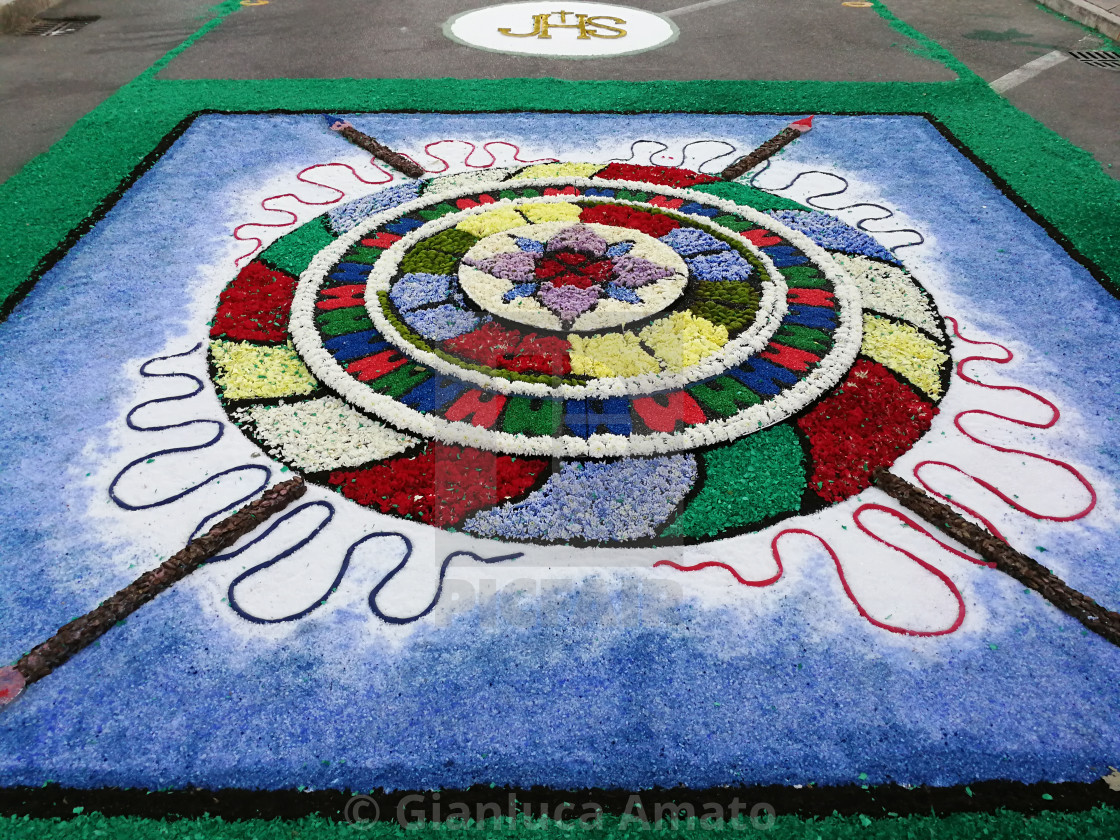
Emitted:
<point x="495" y="221"/>
<point x="683" y="339"/>
<point x="558" y="170"/>
<point x="906" y="351"/>
<point x="611" y="354"/>
<point x="249" y="371"/>
<point x="554" y="212"/>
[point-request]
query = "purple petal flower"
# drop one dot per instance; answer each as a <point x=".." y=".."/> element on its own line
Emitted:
<point x="635" y="271"/>
<point x="568" y="302"/>
<point x="515" y="266"/>
<point x="578" y="238"/>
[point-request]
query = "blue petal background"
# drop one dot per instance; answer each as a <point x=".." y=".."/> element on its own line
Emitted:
<point x="699" y="697"/>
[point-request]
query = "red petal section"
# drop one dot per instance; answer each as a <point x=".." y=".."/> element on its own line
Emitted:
<point x="669" y="176"/>
<point x="864" y="424"/>
<point x="654" y="224"/>
<point x="255" y="306"/>
<point x="506" y="349"/>
<point x="442" y="485"/>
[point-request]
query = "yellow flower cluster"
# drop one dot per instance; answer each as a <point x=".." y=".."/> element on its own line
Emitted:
<point x="495" y="221"/>
<point x="553" y="212"/>
<point x="610" y="354"/>
<point x="558" y="170"/>
<point x="683" y="339"/>
<point x="248" y="371"/>
<point x="906" y="351"/>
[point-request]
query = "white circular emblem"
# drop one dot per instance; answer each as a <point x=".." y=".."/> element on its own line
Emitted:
<point x="561" y="30"/>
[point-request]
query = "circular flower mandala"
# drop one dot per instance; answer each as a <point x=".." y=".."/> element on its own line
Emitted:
<point x="637" y="356"/>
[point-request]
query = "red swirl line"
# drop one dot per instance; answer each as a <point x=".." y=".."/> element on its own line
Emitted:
<point x="710" y="563"/>
<point x="474" y="148"/>
<point x="294" y="218"/>
<point x="940" y="575"/>
<point x="1055" y="415"/>
<point x="893" y="628"/>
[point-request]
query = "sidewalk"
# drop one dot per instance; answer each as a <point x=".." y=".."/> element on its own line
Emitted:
<point x="1102" y="15"/>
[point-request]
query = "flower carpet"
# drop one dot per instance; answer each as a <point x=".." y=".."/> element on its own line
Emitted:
<point x="589" y="434"/>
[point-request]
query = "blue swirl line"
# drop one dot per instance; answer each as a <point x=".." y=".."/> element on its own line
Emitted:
<point x="219" y="431"/>
<point x="407" y="554"/>
<point x="288" y="552"/>
<point x="861" y="224"/>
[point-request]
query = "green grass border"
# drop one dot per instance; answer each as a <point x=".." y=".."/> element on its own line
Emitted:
<point x="62" y="189"/>
<point x="1102" y="822"/>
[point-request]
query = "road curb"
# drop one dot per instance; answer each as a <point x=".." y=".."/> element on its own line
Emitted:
<point x="1090" y="14"/>
<point x="17" y="14"/>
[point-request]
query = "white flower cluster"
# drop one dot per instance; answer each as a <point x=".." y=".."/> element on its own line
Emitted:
<point x="832" y="368"/>
<point x="890" y="290"/>
<point x="323" y="434"/>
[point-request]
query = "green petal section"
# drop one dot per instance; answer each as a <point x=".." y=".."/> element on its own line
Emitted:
<point x="756" y="477"/>
<point x="748" y="196"/>
<point x="292" y="253"/>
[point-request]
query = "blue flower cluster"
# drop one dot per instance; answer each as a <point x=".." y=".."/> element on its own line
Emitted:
<point x="833" y="235"/>
<point x="441" y="322"/>
<point x="726" y="265"/>
<point x="603" y="501"/>
<point x="347" y="216"/>
<point x="688" y="242"/>
<point x="415" y="290"/>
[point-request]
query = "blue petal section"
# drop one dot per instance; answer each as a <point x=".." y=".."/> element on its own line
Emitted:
<point x="619" y="249"/>
<point x="343" y="218"/>
<point x="415" y="290"/>
<point x="441" y="322"/>
<point x="833" y="234"/>
<point x="609" y="502"/>
<point x="727" y="265"/>
<point x="622" y="293"/>
<point x="688" y="242"/>
<point x="524" y="290"/>
<point x="530" y="246"/>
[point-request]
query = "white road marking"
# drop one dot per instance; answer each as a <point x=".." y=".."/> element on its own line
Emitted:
<point x="695" y="7"/>
<point x="1028" y="71"/>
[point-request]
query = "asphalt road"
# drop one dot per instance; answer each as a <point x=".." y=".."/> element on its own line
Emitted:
<point x="46" y="84"/>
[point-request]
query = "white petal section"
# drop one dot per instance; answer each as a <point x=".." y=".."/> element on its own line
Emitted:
<point x="324" y="434"/>
<point x="890" y="290"/>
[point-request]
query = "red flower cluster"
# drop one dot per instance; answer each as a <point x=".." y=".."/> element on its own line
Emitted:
<point x="255" y="306"/>
<point x="866" y="423"/>
<point x="566" y="268"/>
<point x="669" y="176"/>
<point x="506" y="349"/>
<point x="442" y="485"/>
<point x="619" y="215"/>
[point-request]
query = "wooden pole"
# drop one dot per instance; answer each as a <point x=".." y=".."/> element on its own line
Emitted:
<point x="84" y="630"/>
<point x="375" y="148"/>
<point x="783" y="138"/>
<point x="1024" y="569"/>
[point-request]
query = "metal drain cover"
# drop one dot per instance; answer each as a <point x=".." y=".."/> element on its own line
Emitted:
<point x="47" y="27"/>
<point x="1098" y="58"/>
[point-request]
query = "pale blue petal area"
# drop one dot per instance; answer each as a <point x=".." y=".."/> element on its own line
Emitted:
<point x="441" y="322"/>
<point x="612" y="501"/>
<point x="688" y="242"/>
<point x="722" y="266"/>
<point x="415" y="290"/>
<point x="524" y="290"/>
<point x="347" y="217"/>
<point x="619" y="249"/>
<point x="833" y="234"/>
<point x="621" y="293"/>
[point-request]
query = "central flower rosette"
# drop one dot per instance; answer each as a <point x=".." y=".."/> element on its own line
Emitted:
<point x="571" y="272"/>
<point x="572" y="277"/>
<point x="556" y="357"/>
